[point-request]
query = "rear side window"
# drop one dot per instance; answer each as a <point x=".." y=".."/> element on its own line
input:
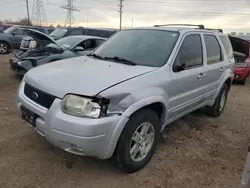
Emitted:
<point x="190" y="53"/>
<point x="92" y="32"/>
<point x="227" y="45"/>
<point x="105" y="34"/>
<point x="76" y="32"/>
<point x="214" y="54"/>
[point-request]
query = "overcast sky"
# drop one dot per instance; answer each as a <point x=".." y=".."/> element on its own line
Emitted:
<point x="231" y="15"/>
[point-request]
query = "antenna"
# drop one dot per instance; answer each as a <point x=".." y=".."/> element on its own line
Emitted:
<point x="38" y="13"/>
<point x="70" y="15"/>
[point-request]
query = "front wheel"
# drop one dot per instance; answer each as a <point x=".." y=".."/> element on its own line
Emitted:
<point x="220" y="102"/>
<point x="138" y="141"/>
<point x="4" y="48"/>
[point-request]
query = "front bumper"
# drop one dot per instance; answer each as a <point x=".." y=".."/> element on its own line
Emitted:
<point x="17" y="69"/>
<point x="81" y="136"/>
<point x="240" y="73"/>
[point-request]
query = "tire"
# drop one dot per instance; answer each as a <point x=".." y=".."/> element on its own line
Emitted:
<point x="243" y="82"/>
<point x="4" y="47"/>
<point x="122" y="157"/>
<point x="217" y="108"/>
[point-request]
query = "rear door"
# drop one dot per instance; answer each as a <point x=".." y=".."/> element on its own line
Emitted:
<point x="217" y="64"/>
<point x="186" y="90"/>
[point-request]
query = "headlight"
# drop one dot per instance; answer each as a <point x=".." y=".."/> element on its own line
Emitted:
<point x="241" y="64"/>
<point x="32" y="44"/>
<point x="81" y="106"/>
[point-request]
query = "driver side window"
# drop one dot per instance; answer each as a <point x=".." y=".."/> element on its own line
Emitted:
<point x="190" y="54"/>
<point x="19" y="32"/>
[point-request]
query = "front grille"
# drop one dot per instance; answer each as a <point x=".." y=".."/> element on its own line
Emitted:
<point x="38" y="96"/>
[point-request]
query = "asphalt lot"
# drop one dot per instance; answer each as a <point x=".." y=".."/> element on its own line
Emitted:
<point x="195" y="152"/>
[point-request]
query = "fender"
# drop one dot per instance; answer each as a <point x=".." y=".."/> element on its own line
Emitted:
<point x="144" y="102"/>
<point x="222" y="83"/>
<point x="125" y="118"/>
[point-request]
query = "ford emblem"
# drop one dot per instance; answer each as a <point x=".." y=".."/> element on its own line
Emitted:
<point x="34" y="95"/>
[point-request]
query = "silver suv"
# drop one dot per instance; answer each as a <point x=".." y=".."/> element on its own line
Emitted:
<point x="116" y="101"/>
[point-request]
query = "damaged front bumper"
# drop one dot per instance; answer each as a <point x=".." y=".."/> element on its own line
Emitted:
<point x="17" y="69"/>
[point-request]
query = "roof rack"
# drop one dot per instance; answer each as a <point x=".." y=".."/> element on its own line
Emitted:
<point x="199" y="26"/>
<point x="220" y="30"/>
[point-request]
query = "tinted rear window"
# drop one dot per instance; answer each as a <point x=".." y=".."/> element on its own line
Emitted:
<point x="227" y="45"/>
<point x="106" y="34"/>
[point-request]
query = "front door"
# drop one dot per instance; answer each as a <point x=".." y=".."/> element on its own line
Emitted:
<point x="17" y="38"/>
<point x="186" y="88"/>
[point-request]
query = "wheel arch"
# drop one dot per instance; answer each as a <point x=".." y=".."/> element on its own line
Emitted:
<point x="157" y="104"/>
<point x="227" y="80"/>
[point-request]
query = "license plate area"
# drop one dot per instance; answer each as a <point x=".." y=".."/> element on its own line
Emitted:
<point x="28" y="116"/>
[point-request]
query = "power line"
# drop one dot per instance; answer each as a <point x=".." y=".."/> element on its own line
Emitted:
<point x="38" y="13"/>
<point x="120" y="12"/>
<point x="70" y="15"/>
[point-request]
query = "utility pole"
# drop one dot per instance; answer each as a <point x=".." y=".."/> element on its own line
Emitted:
<point x="28" y="12"/>
<point x="120" y="11"/>
<point x="70" y="9"/>
<point x="132" y="22"/>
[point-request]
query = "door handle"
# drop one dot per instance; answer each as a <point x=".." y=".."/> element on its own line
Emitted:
<point x="222" y="69"/>
<point x="201" y="75"/>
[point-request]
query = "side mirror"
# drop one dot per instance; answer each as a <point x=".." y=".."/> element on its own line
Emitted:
<point x="179" y="68"/>
<point x="79" y="49"/>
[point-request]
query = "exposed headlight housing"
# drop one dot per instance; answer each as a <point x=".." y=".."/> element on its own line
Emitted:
<point x="82" y="106"/>
<point x="32" y="44"/>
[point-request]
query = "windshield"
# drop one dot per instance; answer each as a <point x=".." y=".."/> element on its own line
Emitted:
<point x="58" y="33"/>
<point x="10" y="29"/>
<point x="68" y="42"/>
<point x="141" y="46"/>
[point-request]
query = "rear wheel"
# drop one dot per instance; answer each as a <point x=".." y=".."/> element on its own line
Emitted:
<point x="4" y="47"/>
<point x="243" y="82"/>
<point x="138" y="141"/>
<point x="220" y="102"/>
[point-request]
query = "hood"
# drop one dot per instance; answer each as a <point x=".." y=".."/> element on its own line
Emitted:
<point x="82" y="75"/>
<point x="40" y="37"/>
<point x="241" y="48"/>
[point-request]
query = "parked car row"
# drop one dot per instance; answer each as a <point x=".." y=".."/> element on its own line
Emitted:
<point x="59" y="33"/>
<point x="115" y="101"/>
<point x="49" y="50"/>
<point x="11" y="38"/>
<point x="15" y="37"/>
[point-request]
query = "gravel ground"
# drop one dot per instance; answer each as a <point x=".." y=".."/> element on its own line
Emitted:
<point x="195" y="152"/>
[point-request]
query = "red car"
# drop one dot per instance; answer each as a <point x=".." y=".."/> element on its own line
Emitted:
<point x="241" y="50"/>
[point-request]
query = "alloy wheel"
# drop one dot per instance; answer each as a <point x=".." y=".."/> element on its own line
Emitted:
<point x="142" y="142"/>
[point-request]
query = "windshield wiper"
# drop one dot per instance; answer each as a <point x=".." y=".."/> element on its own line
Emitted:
<point x="122" y="60"/>
<point x="97" y="56"/>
